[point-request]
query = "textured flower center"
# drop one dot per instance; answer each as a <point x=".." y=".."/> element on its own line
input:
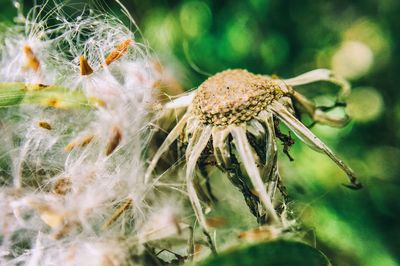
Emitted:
<point x="233" y="97"/>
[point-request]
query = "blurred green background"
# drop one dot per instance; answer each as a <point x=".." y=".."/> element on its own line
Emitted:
<point x="357" y="39"/>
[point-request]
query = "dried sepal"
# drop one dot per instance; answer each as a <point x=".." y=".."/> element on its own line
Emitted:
<point x="304" y="134"/>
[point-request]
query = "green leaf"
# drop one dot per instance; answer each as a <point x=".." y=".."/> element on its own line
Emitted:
<point x="11" y="94"/>
<point x="279" y="253"/>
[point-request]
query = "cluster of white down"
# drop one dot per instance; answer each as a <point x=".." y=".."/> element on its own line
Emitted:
<point x="82" y="204"/>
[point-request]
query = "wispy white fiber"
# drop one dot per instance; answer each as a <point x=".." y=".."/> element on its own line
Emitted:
<point x="72" y="180"/>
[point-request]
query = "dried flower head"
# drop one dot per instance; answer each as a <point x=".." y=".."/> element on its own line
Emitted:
<point x="234" y="97"/>
<point x="233" y="117"/>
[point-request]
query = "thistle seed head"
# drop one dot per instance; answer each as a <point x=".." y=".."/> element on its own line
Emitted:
<point x="233" y="97"/>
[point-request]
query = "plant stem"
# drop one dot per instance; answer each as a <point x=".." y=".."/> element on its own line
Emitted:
<point x="18" y="93"/>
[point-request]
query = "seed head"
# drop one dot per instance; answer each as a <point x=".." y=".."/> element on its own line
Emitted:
<point x="233" y="97"/>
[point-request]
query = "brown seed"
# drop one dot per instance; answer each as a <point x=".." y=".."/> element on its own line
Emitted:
<point x="85" y="68"/>
<point x="80" y="142"/>
<point x="35" y="86"/>
<point x="62" y="186"/>
<point x="178" y="227"/>
<point x="31" y="60"/>
<point x="52" y="102"/>
<point x="107" y="261"/>
<point x="118" y="52"/>
<point x="260" y="233"/>
<point x="125" y="205"/>
<point x="216" y="221"/>
<point x="114" y="140"/>
<point x="64" y="229"/>
<point x="97" y="101"/>
<point x="197" y="250"/>
<point x="49" y="215"/>
<point x="44" y="124"/>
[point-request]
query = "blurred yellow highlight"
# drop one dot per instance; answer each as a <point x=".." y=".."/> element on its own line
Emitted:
<point x="162" y="29"/>
<point x="365" y="104"/>
<point x="371" y="34"/>
<point x="195" y="18"/>
<point x="352" y="60"/>
<point x="240" y="36"/>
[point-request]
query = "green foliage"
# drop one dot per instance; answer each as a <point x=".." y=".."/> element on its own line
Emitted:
<point x="275" y="253"/>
